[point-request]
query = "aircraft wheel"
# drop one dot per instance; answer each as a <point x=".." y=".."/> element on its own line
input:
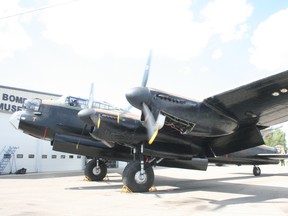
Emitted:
<point x="256" y="171"/>
<point x="133" y="179"/>
<point x="93" y="173"/>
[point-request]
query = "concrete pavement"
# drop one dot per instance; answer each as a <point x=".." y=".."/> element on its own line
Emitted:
<point x="229" y="190"/>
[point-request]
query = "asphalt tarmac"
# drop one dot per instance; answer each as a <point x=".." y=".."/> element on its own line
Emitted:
<point x="228" y="190"/>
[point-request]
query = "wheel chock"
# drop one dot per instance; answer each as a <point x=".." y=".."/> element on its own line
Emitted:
<point x="125" y="189"/>
<point x="153" y="189"/>
<point x="86" y="178"/>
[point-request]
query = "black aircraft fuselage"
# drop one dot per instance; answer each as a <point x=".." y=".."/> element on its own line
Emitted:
<point x="57" y="121"/>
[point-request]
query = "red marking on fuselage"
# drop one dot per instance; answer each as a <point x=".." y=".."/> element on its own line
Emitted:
<point x="45" y="132"/>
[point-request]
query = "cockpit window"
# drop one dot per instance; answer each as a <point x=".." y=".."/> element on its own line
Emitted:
<point x="104" y="105"/>
<point x="32" y="104"/>
<point x="76" y="102"/>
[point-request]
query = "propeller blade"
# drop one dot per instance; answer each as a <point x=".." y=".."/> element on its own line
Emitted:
<point x="151" y="126"/>
<point x="81" y="135"/>
<point x="96" y="119"/>
<point x="91" y="96"/>
<point x="147" y="70"/>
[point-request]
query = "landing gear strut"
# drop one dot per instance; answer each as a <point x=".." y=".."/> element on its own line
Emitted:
<point x="138" y="176"/>
<point x="95" y="170"/>
<point x="256" y="171"/>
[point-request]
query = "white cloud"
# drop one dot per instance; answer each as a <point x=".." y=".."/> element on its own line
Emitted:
<point x="126" y="28"/>
<point x="204" y="69"/>
<point x="217" y="54"/>
<point x="12" y="34"/>
<point x="269" y="43"/>
<point x="130" y="28"/>
<point x="228" y="18"/>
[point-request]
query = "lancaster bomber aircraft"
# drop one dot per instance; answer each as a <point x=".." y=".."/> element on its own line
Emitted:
<point x="172" y="131"/>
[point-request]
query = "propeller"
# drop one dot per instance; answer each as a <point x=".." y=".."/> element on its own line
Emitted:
<point x="89" y="115"/>
<point x="139" y="97"/>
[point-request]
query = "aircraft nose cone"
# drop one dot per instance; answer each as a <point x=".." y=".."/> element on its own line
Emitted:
<point x="137" y="96"/>
<point x="85" y="115"/>
<point x="15" y="119"/>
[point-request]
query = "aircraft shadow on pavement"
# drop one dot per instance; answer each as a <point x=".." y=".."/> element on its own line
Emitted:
<point x="111" y="173"/>
<point x="98" y="187"/>
<point x="248" y="193"/>
<point x="41" y="175"/>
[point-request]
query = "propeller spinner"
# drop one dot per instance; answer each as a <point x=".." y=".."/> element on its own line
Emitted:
<point x="85" y="114"/>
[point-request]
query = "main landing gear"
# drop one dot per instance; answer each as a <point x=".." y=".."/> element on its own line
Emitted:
<point x="256" y="171"/>
<point x="138" y="176"/>
<point x="95" y="170"/>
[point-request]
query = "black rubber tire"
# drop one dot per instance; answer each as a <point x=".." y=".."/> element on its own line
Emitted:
<point x="129" y="177"/>
<point x="125" y="170"/>
<point x="256" y="171"/>
<point x="90" y="170"/>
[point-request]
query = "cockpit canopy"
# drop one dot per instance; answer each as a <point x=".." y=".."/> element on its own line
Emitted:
<point x="32" y="104"/>
<point x="83" y="103"/>
<point x="76" y="102"/>
<point x="80" y="103"/>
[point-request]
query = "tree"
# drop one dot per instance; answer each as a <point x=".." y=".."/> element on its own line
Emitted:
<point x="276" y="137"/>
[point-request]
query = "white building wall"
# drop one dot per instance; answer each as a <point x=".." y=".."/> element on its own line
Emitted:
<point x="33" y="154"/>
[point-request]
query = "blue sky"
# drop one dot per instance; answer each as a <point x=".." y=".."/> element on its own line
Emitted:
<point x="200" y="48"/>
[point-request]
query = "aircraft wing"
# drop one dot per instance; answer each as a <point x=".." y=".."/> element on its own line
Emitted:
<point x="264" y="101"/>
<point x="273" y="156"/>
<point x="260" y="159"/>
